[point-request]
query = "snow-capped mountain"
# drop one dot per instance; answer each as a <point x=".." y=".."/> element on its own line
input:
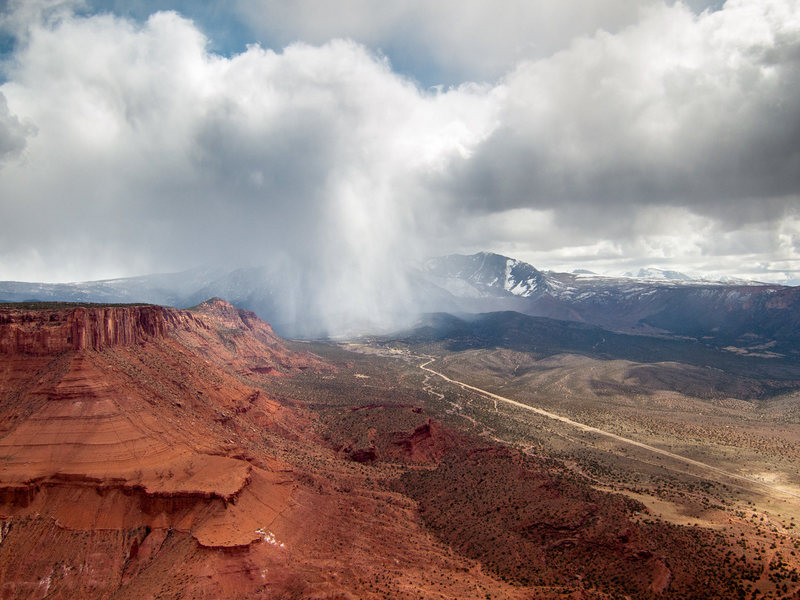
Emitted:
<point x="485" y="274"/>
<point x="655" y="302"/>
<point x="653" y="273"/>
<point x="739" y="315"/>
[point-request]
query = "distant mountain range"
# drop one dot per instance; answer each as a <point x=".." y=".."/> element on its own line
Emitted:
<point x="542" y="337"/>
<point x="653" y="273"/>
<point x="746" y="317"/>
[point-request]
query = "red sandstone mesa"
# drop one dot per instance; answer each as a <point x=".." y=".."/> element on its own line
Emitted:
<point x="112" y="420"/>
<point x="97" y="433"/>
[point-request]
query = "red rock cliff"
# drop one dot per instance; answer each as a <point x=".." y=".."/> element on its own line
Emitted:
<point x="42" y="332"/>
<point x="111" y="419"/>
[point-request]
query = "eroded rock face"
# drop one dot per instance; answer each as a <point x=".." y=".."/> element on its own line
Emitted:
<point x="428" y="442"/>
<point x="43" y="332"/>
<point x="143" y="455"/>
<point x="110" y="420"/>
<point x="251" y="347"/>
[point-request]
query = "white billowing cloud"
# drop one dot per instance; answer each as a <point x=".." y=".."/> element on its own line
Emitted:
<point x="444" y="41"/>
<point x="165" y="156"/>
<point x="677" y="108"/>
<point x="19" y="16"/>
<point x="676" y="238"/>
<point x="677" y="111"/>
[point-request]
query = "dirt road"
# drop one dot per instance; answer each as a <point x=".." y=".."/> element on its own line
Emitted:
<point x="614" y="436"/>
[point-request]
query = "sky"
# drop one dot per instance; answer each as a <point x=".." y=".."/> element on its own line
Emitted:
<point x="345" y="140"/>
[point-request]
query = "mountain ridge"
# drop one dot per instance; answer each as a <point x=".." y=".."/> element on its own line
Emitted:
<point x="740" y="314"/>
<point x="717" y="313"/>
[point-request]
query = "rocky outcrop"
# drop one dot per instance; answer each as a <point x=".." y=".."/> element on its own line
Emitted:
<point x="48" y="331"/>
<point x="427" y="443"/>
<point x="212" y="518"/>
<point x="251" y="347"/>
<point x="112" y="417"/>
<point x="237" y="319"/>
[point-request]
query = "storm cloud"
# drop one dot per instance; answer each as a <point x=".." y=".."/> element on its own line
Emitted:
<point x="642" y="134"/>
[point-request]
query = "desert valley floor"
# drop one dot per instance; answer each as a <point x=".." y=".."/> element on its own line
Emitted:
<point x="148" y="452"/>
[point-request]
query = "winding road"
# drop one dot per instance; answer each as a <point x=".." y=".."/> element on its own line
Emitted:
<point x="614" y="436"/>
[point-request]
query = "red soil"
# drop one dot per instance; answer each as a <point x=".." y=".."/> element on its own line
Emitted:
<point x="112" y="421"/>
<point x="144" y="454"/>
<point x="528" y="526"/>
<point x="139" y="459"/>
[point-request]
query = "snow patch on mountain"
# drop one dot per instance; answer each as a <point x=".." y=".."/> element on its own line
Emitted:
<point x="654" y="273"/>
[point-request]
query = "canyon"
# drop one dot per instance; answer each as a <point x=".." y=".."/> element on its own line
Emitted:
<point x="153" y="452"/>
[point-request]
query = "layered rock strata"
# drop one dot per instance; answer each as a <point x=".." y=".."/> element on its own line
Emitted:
<point x="110" y="420"/>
